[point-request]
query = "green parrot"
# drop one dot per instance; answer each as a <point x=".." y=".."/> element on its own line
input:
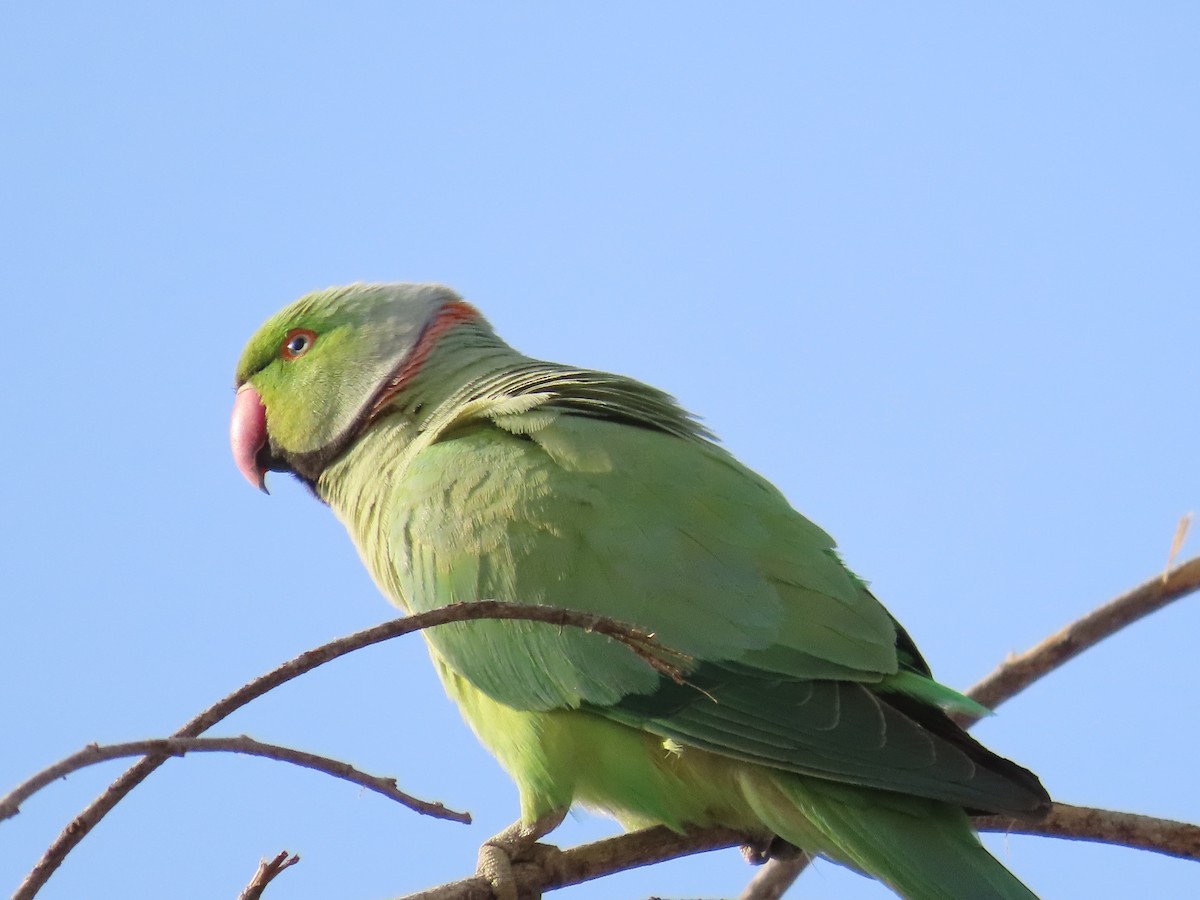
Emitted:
<point x="464" y="470"/>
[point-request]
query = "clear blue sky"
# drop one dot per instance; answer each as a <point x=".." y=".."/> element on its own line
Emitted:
<point x="932" y="270"/>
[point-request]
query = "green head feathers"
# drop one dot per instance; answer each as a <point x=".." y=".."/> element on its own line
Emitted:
<point x="319" y="369"/>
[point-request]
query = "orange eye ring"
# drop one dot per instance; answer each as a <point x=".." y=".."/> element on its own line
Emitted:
<point x="298" y="342"/>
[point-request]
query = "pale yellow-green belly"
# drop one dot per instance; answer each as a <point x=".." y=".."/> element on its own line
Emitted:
<point x="562" y="757"/>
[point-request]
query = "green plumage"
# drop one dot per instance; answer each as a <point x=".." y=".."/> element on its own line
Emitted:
<point x="807" y="713"/>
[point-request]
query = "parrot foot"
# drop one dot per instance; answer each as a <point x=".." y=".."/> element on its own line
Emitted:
<point x="516" y="843"/>
<point x="758" y="852"/>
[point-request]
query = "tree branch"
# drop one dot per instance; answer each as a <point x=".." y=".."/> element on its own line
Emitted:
<point x="640" y="642"/>
<point x="1020" y="671"/>
<point x="266" y="874"/>
<point x="94" y="753"/>
<point x="1103" y="826"/>
<point x="774" y="878"/>
<point x="551" y="868"/>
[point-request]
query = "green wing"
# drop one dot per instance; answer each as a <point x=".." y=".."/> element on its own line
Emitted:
<point x="797" y="666"/>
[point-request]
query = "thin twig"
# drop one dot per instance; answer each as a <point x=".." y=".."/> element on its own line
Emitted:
<point x="1181" y="530"/>
<point x="266" y="874"/>
<point x="640" y="642"/>
<point x="95" y="753"/>
<point x="1018" y="672"/>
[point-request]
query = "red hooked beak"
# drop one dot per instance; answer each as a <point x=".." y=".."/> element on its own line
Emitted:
<point x="248" y="434"/>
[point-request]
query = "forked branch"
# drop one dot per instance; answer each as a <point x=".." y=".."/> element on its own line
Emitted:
<point x="95" y="753"/>
<point x="267" y="870"/>
<point x="638" y="640"/>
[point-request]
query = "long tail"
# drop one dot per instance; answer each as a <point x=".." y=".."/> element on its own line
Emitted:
<point x="922" y="849"/>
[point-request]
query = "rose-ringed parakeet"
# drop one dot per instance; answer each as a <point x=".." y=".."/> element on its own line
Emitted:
<point x="465" y="470"/>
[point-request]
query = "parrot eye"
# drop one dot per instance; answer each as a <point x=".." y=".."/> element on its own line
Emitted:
<point x="298" y="342"/>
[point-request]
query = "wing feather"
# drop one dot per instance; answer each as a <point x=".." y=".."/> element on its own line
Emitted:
<point x="672" y="534"/>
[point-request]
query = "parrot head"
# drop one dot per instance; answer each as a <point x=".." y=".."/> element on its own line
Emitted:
<point x="318" y="373"/>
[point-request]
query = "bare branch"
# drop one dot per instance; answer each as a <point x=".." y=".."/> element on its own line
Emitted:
<point x="774" y="878"/>
<point x="552" y="869"/>
<point x="639" y="641"/>
<point x="1103" y="826"/>
<point x="1017" y="673"/>
<point x="94" y="753"/>
<point x="266" y="874"/>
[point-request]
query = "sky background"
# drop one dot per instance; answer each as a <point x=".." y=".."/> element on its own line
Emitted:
<point x="932" y="270"/>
